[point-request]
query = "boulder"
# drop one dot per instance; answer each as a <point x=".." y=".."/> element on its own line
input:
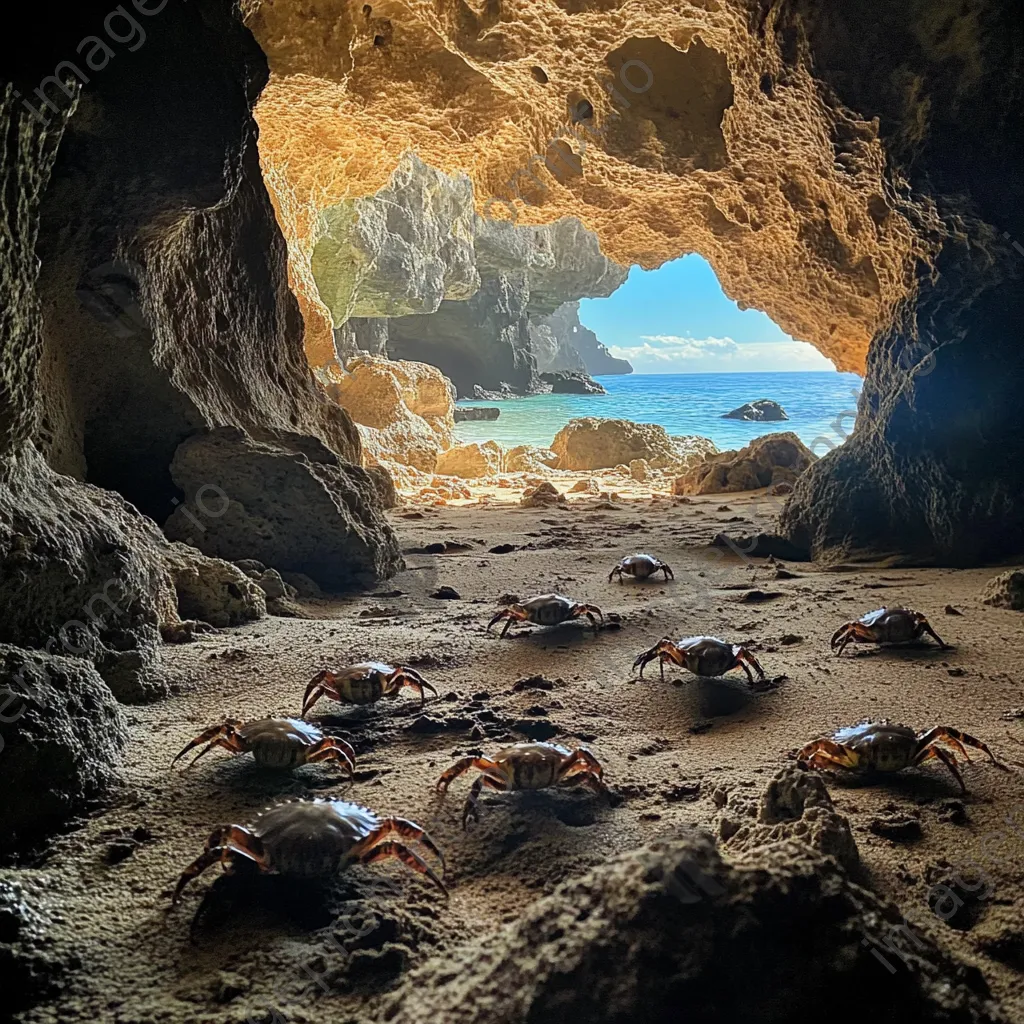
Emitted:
<point x="404" y="410"/>
<point x="542" y="495"/>
<point x="470" y="461"/>
<point x="766" y="461"/>
<point x="63" y="735"/>
<point x="475" y="413"/>
<point x="639" y="470"/>
<point x="764" y="410"/>
<point x="672" y="931"/>
<point x="572" y="382"/>
<point x="287" y="501"/>
<point x="1006" y="590"/>
<point x="592" y="443"/>
<point x="212" y="590"/>
<point x="529" y="458"/>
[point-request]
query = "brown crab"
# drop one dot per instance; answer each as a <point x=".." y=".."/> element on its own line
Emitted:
<point x="313" y="839"/>
<point x="884" y="626"/>
<point x="885" y="747"/>
<point x="547" y="610"/>
<point x="365" y="683"/>
<point x="703" y="656"/>
<point x="274" y="743"/>
<point x="640" y="566"/>
<point x="526" y="766"/>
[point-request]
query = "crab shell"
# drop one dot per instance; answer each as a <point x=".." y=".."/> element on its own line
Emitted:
<point x="531" y="765"/>
<point x="892" y="625"/>
<point x="364" y="683"/>
<point x="312" y="838"/>
<point x="639" y="565"/>
<point x="279" y="742"/>
<point x="547" y="609"/>
<point x="707" y="655"/>
<point x="882" y="746"/>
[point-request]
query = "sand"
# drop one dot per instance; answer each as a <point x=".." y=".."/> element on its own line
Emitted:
<point x="673" y="751"/>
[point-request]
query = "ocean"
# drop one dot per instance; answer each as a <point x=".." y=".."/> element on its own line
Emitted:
<point x="820" y="406"/>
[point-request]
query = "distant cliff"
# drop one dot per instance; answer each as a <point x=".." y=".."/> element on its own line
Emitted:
<point x="561" y="342"/>
<point x="415" y="273"/>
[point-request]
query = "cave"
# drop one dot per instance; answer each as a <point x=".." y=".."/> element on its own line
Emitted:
<point x="254" y="257"/>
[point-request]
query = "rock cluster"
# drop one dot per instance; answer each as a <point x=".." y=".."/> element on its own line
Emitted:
<point x="764" y="410"/>
<point x="1006" y="590"/>
<point x="572" y="382"/>
<point x="771" y="461"/>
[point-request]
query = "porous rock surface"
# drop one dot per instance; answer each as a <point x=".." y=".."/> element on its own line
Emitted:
<point x="63" y="736"/>
<point x="843" y="168"/>
<point x="767" y="461"/>
<point x="293" y="504"/>
<point x="590" y="442"/>
<point x="404" y="410"/>
<point x="212" y="590"/>
<point x="1006" y="590"/>
<point x="471" y="461"/>
<point x="672" y="930"/>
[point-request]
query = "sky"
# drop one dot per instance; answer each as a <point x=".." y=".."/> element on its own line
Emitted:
<point x="677" y="319"/>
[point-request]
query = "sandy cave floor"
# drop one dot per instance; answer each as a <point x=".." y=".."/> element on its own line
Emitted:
<point x="669" y="750"/>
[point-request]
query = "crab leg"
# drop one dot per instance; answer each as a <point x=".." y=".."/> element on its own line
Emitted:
<point x="225" y="844"/>
<point x="469" y="809"/>
<point x="414" y="681"/>
<point x="224" y="735"/>
<point x="927" y="627"/>
<point x="322" y="684"/>
<point x="408" y="857"/>
<point x="330" y="748"/>
<point x="407" y="830"/>
<point x="745" y="658"/>
<point x="484" y="764"/>
<point x="946" y="758"/>
<point x="505" y="613"/>
<point x="617" y="571"/>
<point x="956" y="739"/>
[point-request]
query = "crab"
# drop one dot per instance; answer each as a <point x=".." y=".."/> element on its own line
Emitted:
<point x="885" y="747"/>
<point x="526" y="766"/>
<point x="313" y="839"/>
<point x="884" y="626"/>
<point x="547" y="610"/>
<point x="274" y="743"/>
<point x="640" y="566"/>
<point x="365" y="683"/>
<point x="703" y="656"/>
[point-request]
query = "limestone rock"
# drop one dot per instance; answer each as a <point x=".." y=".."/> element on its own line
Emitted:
<point x="671" y="924"/>
<point x="764" y="410"/>
<point x="542" y="495"/>
<point x="404" y="410"/>
<point x="560" y="342"/>
<point x="592" y="443"/>
<point x="476" y="413"/>
<point x="81" y="574"/>
<point x="212" y="590"/>
<point x="471" y="461"/>
<point x="639" y="470"/>
<point x="1006" y="590"/>
<point x="290" y="503"/>
<point x="795" y="805"/>
<point x="63" y="738"/>
<point x="587" y="486"/>
<point x="766" y="461"/>
<point x="572" y="382"/>
<point x="529" y="458"/>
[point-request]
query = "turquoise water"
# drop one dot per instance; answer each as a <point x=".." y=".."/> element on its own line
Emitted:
<point x="686" y="403"/>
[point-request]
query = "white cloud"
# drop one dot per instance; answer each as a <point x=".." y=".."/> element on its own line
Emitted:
<point x="668" y="353"/>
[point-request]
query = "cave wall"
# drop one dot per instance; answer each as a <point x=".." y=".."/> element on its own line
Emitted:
<point x="935" y="467"/>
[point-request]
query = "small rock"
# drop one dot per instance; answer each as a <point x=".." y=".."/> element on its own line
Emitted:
<point x="898" y="828"/>
<point x="532" y="683"/>
<point x="787" y="639"/>
<point x="502" y="549"/>
<point x="1006" y="591"/>
<point x="950" y="610"/>
<point x="956" y="670"/>
<point x="446" y="594"/>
